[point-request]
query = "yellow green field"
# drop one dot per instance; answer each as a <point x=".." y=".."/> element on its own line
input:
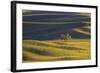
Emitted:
<point x="56" y="50"/>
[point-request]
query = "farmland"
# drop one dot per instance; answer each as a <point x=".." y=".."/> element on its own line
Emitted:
<point x="54" y="50"/>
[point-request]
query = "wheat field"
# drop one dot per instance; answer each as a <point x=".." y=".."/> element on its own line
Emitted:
<point x="56" y="50"/>
<point x="55" y="36"/>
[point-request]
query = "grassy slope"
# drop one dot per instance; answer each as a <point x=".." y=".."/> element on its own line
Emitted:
<point x="51" y="50"/>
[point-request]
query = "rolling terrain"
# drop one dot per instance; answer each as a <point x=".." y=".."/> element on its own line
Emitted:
<point x="75" y="49"/>
<point x="56" y="36"/>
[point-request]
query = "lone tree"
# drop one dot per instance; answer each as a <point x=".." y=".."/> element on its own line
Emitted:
<point x="66" y="37"/>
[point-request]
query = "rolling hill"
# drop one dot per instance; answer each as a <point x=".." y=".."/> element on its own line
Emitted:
<point x="55" y="36"/>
